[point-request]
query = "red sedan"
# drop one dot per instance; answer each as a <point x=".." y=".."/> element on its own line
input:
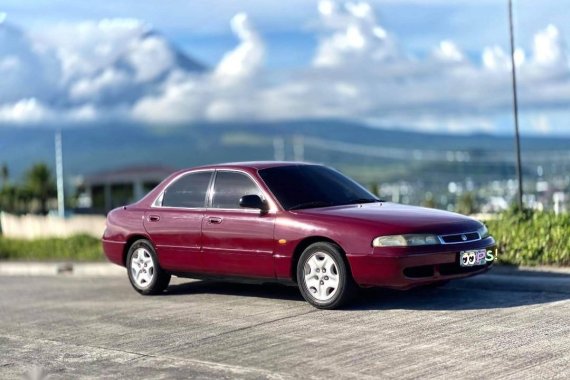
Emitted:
<point x="289" y="222"/>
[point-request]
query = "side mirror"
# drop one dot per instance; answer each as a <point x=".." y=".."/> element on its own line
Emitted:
<point x="253" y="201"/>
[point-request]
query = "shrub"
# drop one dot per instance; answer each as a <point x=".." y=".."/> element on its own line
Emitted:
<point x="74" y="248"/>
<point x="532" y="238"/>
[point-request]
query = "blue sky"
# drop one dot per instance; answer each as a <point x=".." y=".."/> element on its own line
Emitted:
<point x="290" y="36"/>
<point x="201" y="26"/>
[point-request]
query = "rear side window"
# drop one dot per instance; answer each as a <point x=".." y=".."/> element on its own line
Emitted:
<point x="229" y="187"/>
<point x="188" y="191"/>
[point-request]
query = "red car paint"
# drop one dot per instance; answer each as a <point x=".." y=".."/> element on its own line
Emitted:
<point x="252" y="244"/>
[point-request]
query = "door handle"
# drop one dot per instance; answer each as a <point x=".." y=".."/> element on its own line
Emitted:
<point x="214" y="220"/>
<point x="153" y="218"/>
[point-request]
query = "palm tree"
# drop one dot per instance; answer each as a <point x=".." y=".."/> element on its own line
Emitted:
<point x="40" y="185"/>
<point x="4" y="173"/>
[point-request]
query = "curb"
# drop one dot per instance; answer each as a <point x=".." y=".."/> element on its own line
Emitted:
<point x="61" y="269"/>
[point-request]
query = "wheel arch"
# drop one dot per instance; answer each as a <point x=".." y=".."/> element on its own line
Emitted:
<point x="303" y="244"/>
<point x="130" y="241"/>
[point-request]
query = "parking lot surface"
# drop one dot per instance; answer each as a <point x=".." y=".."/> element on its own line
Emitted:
<point x="492" y="326"/>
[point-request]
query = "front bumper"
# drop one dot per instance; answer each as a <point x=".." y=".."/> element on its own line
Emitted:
<point x="404" y="268"/>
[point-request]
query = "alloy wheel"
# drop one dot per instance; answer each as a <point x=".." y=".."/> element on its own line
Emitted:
<point x="142" y="267"/>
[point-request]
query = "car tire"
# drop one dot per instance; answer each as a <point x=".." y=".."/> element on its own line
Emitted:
<point x="324" y="277"/>
<point x="143" y="269"/>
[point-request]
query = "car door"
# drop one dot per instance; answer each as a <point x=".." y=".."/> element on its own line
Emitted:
<point x="174" y="223"/>
<point x="237" y="241"/>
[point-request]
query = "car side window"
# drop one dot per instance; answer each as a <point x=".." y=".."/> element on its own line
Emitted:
<point x="188" y="191"/>
<point x="229" y="187"/>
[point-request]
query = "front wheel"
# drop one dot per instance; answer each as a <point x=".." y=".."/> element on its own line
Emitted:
<point x="145" y="274"/>
<point x="323" y="276"/>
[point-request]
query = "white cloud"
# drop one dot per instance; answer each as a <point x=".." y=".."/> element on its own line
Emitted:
<point x="31" y="111"/>
<point x="150" y="58"/>
<point x="224" y="94"/>
<point x="9" y="63"/>
<point x="179" y="102"/>
<point x="541" y="124"/>
<point x="247" y="57"/>
<point x="90" y="88"/>
<point x="356" y="36"/>
<point x="448" y="51"/>
<point x="122" y="68"/>
<point x="24" y="111"/>
<point x="26" y="69"/>
<point x="549" y="47"/>
<point x="87" y="47"/>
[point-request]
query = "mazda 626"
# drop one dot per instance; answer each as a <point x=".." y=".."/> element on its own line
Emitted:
<point x="295" y="223"/>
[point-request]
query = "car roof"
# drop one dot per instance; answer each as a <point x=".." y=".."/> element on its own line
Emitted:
<point x="256" y="165"/>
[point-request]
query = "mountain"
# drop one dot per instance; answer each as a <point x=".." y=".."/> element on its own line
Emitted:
<point x="139" y="67"/>
<point x="367" y="153"/>
<point x="109" y="65"/>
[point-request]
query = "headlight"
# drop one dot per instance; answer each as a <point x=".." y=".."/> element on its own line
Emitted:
<point x="483" y="232"/>
<point x="405" y="240"/>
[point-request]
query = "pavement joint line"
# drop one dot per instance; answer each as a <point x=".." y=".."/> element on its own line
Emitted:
<point x="230" y="367"/>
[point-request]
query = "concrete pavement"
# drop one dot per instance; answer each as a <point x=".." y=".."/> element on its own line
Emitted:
<point x="491" y="326"/>
<point x="42" y="268"/>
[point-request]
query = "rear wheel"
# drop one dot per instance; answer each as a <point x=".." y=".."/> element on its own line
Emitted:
<point x="323" y="276"/>
<point x="145" y="274"/>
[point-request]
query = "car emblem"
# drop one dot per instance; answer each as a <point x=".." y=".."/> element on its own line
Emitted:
<point x="463" y="237"/>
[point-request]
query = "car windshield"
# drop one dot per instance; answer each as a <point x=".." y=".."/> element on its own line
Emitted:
<point x="310" y="186"/>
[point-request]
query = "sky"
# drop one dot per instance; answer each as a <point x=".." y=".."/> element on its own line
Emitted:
<point x="429" y="65"/>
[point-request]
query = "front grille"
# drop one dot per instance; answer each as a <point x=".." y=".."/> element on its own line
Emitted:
<point x="419" y="271"/>
<point x="460" y="238"/>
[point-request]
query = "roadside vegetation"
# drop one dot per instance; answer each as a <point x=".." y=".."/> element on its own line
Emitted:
<point x="75" y="248"/>
<point x="532" y="238"/>
<point x="524" y="238"/>
<point x="32" y="195"/>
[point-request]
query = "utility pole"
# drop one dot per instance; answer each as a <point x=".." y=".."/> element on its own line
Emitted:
<point x="298" y="148"/>
<point x="516" y="109"/>
<point x="279" y="148"/>
<point x="59" y="174"/>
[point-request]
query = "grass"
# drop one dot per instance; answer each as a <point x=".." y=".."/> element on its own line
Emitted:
<point x="74" y="248"/>
<point x="523" y="238"/>
<point x="532" y="238"/>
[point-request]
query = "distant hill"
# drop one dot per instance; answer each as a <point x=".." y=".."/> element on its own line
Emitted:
<point x="367" y="153"/>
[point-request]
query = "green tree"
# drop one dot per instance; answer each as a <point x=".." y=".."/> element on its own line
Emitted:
<point x="429" y="201"/>
<point x="8" y="197"/>
<point x="375" y="188"/>
<point x="4" y="173"/>
<point x="7" y="192"/>
<point x="39" y="185"/>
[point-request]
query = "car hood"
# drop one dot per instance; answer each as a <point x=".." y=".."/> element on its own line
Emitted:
<point x="400" y="218"/>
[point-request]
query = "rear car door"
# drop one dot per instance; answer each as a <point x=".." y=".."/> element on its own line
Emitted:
<point x="174" y="223"/>
<point x="237" y="241"/>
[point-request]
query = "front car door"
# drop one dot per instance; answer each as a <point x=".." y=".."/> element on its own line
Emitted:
<point x="237" y="241"/>
<point x="174" y="222"/>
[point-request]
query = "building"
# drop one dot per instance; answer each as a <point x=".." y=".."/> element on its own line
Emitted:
<point x="101" y="192"/>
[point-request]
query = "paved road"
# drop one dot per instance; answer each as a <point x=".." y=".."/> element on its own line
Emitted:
<point x="487" y="327"/>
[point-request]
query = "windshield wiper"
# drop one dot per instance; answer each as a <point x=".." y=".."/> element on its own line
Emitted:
<point x="310" y="205"/>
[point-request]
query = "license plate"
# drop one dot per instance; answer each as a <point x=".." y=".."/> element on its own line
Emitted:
<point x="472" y="258"/>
